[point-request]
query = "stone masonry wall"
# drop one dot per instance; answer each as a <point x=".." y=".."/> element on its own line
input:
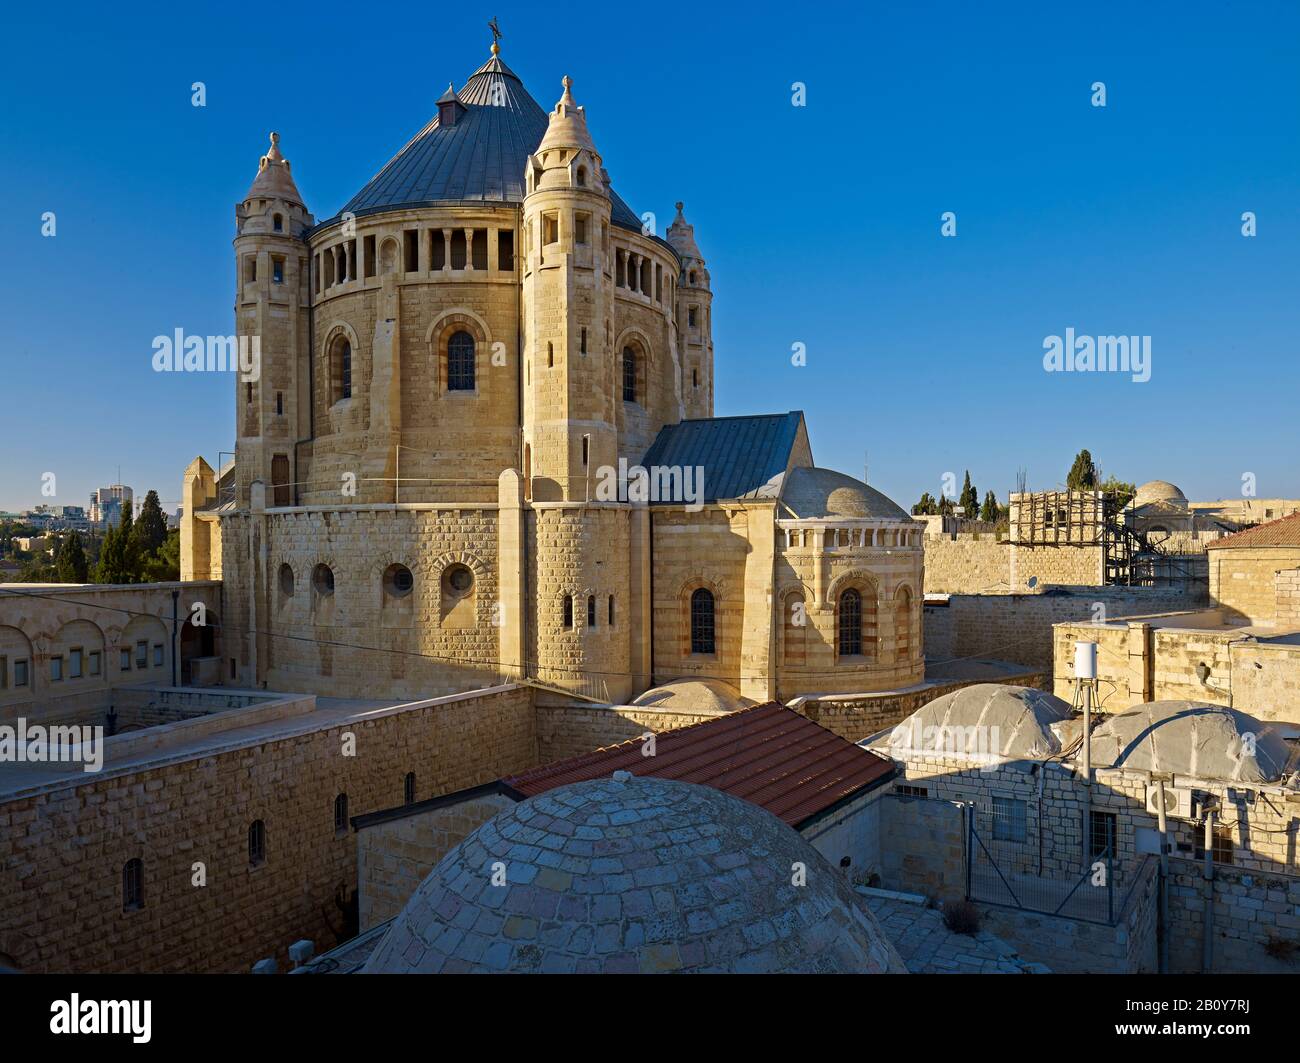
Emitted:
<point x="394" y="857"/>
<point x="860" y="716"/>
<point x="63" y="847"/>
<point x="1018" y="627"/>
<point x="569" y="730"/>
<point x="923" y="846"/>
<point x="958" y="563"/>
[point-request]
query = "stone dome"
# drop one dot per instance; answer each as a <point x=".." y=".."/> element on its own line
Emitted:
<point x="992" y="719"/>
<point x="815" y="493"/>
<point x="1158" y="491"/>
<point x="626" y="875"/>
<point x="694" y="695"/>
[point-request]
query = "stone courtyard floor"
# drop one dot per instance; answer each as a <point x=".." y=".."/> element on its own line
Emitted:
<point x="929" y="947"/>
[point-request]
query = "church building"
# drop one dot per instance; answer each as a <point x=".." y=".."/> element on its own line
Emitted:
<point x="482" y="447"/>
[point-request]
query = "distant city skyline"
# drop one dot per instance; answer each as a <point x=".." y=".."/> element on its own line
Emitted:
<point x="822" y="224"/>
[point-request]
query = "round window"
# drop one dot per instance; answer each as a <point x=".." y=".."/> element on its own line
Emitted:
<point x="398" y="581"/>
<point x="322" y="578"/>
<point x="460" y="579"/>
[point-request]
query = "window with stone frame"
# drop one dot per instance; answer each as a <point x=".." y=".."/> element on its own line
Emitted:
<point x="629" y="375"/>
<point x="702" y="621"/>
<point x="460" y="362"/>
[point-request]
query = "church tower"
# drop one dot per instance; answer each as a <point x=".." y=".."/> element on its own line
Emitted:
<point x="581" y="618"/>
<point x="569" y="417"/>
<point x="272" y="310"/>
<point x="694" y="320"/>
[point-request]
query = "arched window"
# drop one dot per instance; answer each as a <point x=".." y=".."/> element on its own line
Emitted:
<point x="286" y="580"/>
<point x="277" y="223"/>
<point x="850" y="623"/>
<point x="340" y="364"/>
<point x="794" y="627"/>
<point x="568" y="610"/>
<point x="629" y="375"/>
<point x="582" y="177"/>
<point x="398" y="581"/>
<point x="460" y="362"/>
<point x="341" y="814"/>
<point x="408" y="788"/>
<point x="133" y="885"/>
<point x="591" y="610"/>
<point x="702" y="621"/>
<point x="903" y="624"/>
<point x="322" y="579"/>
<point x="256" y="843"/>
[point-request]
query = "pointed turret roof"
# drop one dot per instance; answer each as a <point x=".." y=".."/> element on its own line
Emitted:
<point x="273" y="180"/>
<point x="479" y="159"/>
<point x="567" y="126"/>
<point x="681" y="235"/>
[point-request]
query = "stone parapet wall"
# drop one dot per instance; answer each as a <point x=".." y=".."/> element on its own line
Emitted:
<point x="1018" y="628"/>
<point x="63" y="847"/>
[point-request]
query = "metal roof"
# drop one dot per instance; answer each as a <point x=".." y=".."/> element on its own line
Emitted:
<point x="769" y="755"/>
<point x="739" y="455"/>
<point x="480" y="158"/>
<point x="1285" y="531"/>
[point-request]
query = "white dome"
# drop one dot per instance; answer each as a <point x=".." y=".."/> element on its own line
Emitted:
<point x="1158" y="491"/>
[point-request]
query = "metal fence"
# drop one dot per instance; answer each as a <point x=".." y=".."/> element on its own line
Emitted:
<point x="992" y="878"/>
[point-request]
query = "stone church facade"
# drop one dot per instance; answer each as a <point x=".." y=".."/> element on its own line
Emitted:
<point x="454" y="368"/>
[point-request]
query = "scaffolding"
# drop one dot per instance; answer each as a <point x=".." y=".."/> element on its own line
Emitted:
<point x="1096" y="519"/>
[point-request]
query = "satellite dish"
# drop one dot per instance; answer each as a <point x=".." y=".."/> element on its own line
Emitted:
<point x="1032" y="582"/>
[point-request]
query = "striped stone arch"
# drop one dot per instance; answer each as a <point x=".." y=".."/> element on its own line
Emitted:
<point x="440" y="332"/>
<point x="906" y="634"/>
<point x="689" y="586"/>
<point x="869" y="588"/>
<point x="447" y="603"/>
<point x="335" y="330"/>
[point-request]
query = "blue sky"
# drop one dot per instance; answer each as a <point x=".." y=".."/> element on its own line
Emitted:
<point x="821" y="224"/>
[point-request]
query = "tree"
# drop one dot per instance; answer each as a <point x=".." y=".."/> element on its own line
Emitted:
<point x="151" y="528"/>
<point x="118" y="559"/>
<point x="1083" y="473"/>
<point x="70" y="564"/>
<point x="969" y="500"/>
<point x="926" y="506"/>
<point x="991" y="511"/>
<point x="1120" y="489"/>
<point x="165" y="565"/>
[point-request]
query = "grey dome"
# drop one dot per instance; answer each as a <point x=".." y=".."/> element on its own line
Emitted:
<point x="479" y="159"/>
<point x="993" y="719"/>
<point x="639" y="875"/>
<point x="814" y="493"/>
<point x="1192" y="738"/>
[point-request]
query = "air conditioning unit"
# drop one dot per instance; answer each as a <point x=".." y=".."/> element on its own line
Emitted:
<point x="1178" y="801"/>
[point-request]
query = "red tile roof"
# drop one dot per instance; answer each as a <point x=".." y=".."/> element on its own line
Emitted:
<point x="1285" y="531"/>
<point x="769" y="755"/>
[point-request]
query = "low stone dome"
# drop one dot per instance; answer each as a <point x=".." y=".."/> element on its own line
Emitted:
<point x="1192" y="738"/>
<point x="627" y="875"/>
<point x="990" y="719"/>
<point x="695" y="695"/>
<point x="815" y="493"/>
<point x="1158" y="491"/>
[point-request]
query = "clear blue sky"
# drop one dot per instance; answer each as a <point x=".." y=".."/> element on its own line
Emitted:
<point x="821" y="224"/>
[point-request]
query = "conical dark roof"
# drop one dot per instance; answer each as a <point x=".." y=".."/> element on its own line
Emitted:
<point x="478" y="159"/>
